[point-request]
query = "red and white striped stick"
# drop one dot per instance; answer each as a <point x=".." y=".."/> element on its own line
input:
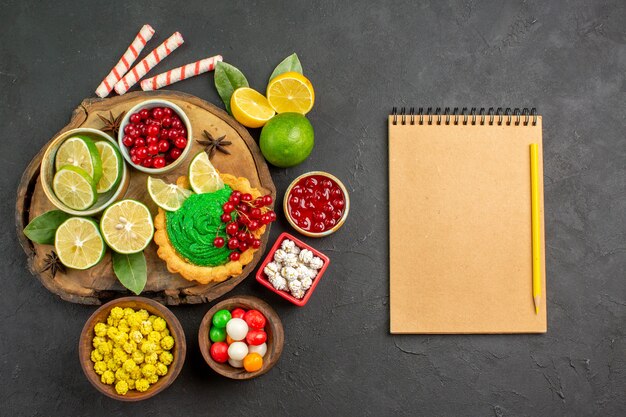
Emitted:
<point x="123" y="65"/>
<point x="146" y="64"/>
<point x="178" y="74"/>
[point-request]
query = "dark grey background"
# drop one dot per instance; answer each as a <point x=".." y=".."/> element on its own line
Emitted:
<point x="568" y="59"/>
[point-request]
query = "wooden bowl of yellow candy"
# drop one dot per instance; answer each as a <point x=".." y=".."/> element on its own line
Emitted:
<point x="132" y="348"/>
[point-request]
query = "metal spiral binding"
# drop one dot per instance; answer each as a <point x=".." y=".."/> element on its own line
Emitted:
<point x="490" y="116"/>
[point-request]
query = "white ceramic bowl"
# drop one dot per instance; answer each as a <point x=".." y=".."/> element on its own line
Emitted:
<point x="47" y="174"/>
<point x="150" y="104"/>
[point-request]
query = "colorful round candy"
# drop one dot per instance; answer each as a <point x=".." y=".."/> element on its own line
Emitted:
<point x="260" y="349"/>
<point x="217" y="335"/>
<point x="238" y="313"/>
<point x="237" y="351"/>
<point x="255" y="319"/>
<point x="256" y="337"/>
<point x="234" y="363"/>
<point x="229" y="340"/>
<point x="237" y="329"/>
<point x="219" y="352"/>
<point x="220" y="318"/>
<point x="252" y="362"/>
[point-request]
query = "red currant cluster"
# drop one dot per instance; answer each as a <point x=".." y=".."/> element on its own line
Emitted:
<point x="243" y="215"/>
<point x="155" y="138"/>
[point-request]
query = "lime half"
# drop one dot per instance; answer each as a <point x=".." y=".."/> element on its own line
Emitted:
<point x="80" y="151"/>
<point x="169" y="197"/>
<point x="78" y="243"/>
<point x="111" y="166"/>
<point x="74" y="187"/>
<point x="127" y="226"/>
<point x="203" y="176"/>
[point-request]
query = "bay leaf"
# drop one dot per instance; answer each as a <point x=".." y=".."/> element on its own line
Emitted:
<point x="131" y="270"/>
<point x="227" y="80"/>
<point x="289" y="64"/>
<point x="43" y="228"/>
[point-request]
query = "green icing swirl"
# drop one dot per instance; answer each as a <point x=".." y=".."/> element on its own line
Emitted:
<point x="193" y="227"/>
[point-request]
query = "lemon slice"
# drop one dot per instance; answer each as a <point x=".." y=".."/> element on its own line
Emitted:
<point x="291" y="92"/>
<point x="250" y="107"/>
<point x="80" y="151"/>
<point x="169" y="197"/>
<point x="203" y="176"/>
<point x="78" y="243"/>
<point x="111" y="166"/>
<point x="74" y="187"/>
<point x="127" y="226"/>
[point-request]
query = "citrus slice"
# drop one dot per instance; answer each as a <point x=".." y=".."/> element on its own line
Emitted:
<point x="81" y="152"/>
<point x="291" y="92"/>
<point x="169" y="197"/>
<point x="250" y="107"/>
<point x="74" y="187"/>
<point x="111" y="166"/>
<point x="78" y="243"/>
<point x="203" y="176"/>
<point x="127" y="226"/>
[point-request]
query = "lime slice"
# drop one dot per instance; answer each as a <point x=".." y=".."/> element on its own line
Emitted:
<point x="74" y="187"/>
<point x="169" y="197"/>
<point x="78" y="243"/>
<point x="202" y="175"/>
<point x="127" y="226"/>
<point x="81" y="152"/>
<point x="111" y="166"/>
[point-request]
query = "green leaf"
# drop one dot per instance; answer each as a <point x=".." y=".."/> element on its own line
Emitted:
<point x="227" y="80"/>
<point x="131" y="270"/>
<point x="43" y="228"/>
<point x="291" y="63"/>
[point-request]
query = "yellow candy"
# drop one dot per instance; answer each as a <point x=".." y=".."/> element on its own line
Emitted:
<point x="164" y="333"/>
<point x="100" y="367"/>
<point x="131" y="384"/>
<point x="96" y="356"/>
<point x="154" y="336"/>
<point x="159" y="324"/>
<point x="100" y="329"/>
<point x="152" y="318"/>
<point x="148" y="347"/>
<point x="153" y="379"/>
<point x="117" y="313"/>
<point x="134" y="320"/>
<point x="112" y="365"/>
<point x="146" y="327"/>
<point x="148" y="370"/>
<point x="136" y="336"/>
<point x="135" y="374"/>
<point x="129" y="347"/>
<point x="129" y="365"/>
<point x="97" y="341"/>
<point x="161" y="369"/>
<point x="108" y="377"/>
<point x="112" y="332"/>
<point x="167" y="342"/>
<point x="151" y="358"/>
<point x="143" y="314"/>
<point x="123" y="326"/>
<point x="127" y="312"/>
<point x="142" y="385"/>
<point x="104" y="348"/>
<point x="166" y="358"/>
<point x="121" y="387"/>
<point x="138" y="357"/>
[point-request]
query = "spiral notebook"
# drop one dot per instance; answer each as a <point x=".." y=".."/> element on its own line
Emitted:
<point x="460" y="221"/>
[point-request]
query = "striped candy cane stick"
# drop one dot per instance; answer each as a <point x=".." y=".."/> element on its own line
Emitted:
<point x="123" y="65"/>
<point x="178" y="74"/>
<point x="146" y="64"/>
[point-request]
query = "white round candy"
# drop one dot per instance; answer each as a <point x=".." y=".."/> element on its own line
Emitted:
<point x="237" y="329"/>
<point x="235" y="364"/>
<point x="260" y="349"/>
<point x="237" y="351"/>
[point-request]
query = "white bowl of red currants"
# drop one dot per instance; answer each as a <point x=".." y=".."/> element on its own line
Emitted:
<point x="155" y="136"/>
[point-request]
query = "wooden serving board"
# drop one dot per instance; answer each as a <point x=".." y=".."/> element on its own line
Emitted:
<point x="99" y="283"/>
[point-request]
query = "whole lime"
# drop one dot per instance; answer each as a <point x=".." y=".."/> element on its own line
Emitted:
<point x="287" y="139"/>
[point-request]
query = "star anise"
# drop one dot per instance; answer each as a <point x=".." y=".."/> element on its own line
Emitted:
<point x="112" y="124"/>
<point x="211" y="144"/>
<point x="53" y="264"/>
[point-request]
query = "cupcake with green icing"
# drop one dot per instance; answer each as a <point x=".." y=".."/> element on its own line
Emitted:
<point x="186" y="237"/>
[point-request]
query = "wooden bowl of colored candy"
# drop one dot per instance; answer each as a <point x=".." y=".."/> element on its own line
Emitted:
<point x="241" y="337"/>
<point x="132" y="348"/>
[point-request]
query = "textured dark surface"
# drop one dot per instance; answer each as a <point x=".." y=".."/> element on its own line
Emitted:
<point x="568" y="59"/>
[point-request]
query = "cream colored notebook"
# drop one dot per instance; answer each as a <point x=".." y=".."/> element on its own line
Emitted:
<point x="460" y="222"/>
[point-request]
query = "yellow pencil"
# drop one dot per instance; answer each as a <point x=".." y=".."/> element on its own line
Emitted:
<point x="536" y="227"/>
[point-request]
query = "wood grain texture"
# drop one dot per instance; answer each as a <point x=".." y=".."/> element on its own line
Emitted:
<point x="273" y="328"/>
<point x="99" y="283"/>
<point x="136" y="303"/>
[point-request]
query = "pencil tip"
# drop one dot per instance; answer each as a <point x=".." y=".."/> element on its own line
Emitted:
<point x="536" y="310"/>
